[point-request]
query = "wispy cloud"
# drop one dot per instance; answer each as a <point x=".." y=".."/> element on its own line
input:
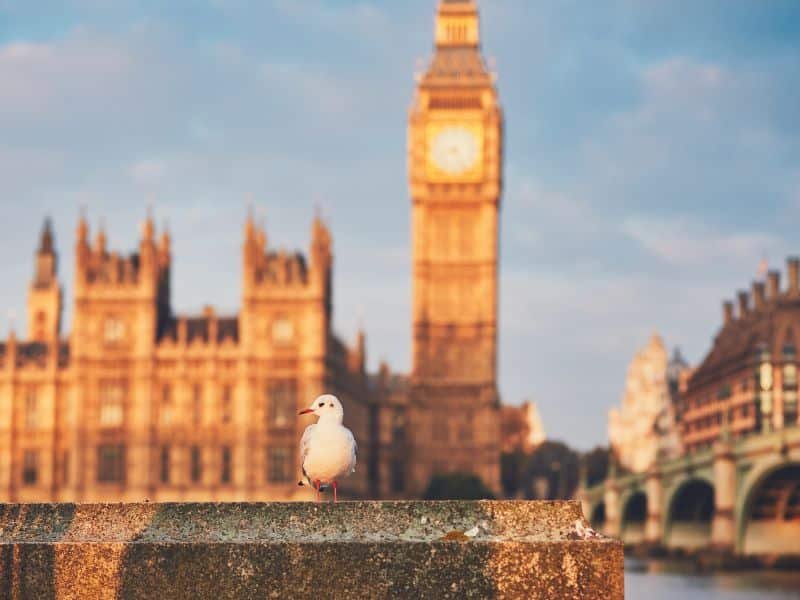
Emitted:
<point x="686" y="243"/>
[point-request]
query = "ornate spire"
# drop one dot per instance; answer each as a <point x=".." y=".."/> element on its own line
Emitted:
<point x="457" y="60"/>
<point x="249" y="224"/>
<point x="457" y="24"/>
<point x="46" y="245"/>
<point x="100" y="240"/>
<point x="148" y="228"/>
<point x="82" y="232"/>
<point x="166" y="240"/>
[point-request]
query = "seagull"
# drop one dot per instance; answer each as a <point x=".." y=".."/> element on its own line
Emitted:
<point x="327" y="448"/>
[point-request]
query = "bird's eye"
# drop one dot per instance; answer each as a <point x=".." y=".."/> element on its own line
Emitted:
<point x="321" y="404"/>
<point x="331" y="405"/>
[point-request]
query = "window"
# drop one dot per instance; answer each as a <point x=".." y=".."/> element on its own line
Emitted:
<point x="282" y="400"/>
<point x="197" y="404"/>
<point x="398" y="475"/>
<point x="31" y="409"/>
<point x="113" y="330"/>
<point x="111" y="463"/>
<point x="30" y="467"/>
<point x="227" y="404"/>
<point x="112" y="395"/>
<point x="790" y="376"/>
<point x="166" y="405"/>
<point x="196" y="467"/>
<point x="279" y="464"/>
<point x="165" y="464"/>
<point x="790" y="411"/>
<point x="225" y="466"/>
<point x="465" y="431"/>
<point x="399" y="427"/>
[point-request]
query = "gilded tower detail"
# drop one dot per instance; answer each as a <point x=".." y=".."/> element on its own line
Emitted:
<point x="455" y="164"/>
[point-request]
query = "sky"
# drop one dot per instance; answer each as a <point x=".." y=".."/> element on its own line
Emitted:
<point x="652" y="160"/>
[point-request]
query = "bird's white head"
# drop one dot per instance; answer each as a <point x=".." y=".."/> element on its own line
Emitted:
<point x="327" y="408"/>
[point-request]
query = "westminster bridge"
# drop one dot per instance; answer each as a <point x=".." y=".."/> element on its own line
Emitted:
<point x="740" y="496"/>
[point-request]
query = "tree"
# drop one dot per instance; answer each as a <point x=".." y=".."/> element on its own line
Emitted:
<point x="551" y="472"/>
<point x="457" y="486"/>
<point x="512" y="469"/>
<point x="596" y="463"/>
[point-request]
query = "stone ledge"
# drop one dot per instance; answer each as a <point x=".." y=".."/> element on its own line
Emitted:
<point x="487" y="549"/>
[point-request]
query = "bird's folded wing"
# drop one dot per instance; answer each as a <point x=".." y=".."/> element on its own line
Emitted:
<point x="305" y="441"/>
<point x="354" y="446"/>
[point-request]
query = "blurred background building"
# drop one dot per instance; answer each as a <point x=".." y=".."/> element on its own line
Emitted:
<point x="522" y="428"/>
<point x="644" y="427"/>
<point x="709" y="458"/>
<point x="139" y="402"/>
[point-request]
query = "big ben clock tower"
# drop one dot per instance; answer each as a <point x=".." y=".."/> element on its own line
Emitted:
<point x="455" y="160"/>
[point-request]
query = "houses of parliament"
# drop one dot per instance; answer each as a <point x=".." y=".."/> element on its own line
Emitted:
<point x="138" y="402"/>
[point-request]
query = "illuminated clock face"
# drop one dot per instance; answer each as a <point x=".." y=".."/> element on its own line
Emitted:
<point x="454" y="150"/>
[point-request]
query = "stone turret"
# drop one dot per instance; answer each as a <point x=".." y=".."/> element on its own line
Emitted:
<point x="44" y="292"/>
<point x="104" y="277"/>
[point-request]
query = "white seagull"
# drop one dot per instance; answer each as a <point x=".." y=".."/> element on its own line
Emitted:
<point x="327" y="448"/>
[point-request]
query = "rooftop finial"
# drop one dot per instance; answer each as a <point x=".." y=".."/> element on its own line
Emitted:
<point x="148" y="227"/>
<point x="165" y="238"/>
<point x="457" y="24"/>
<point x="46" y="239"/>
<point x="101" y="236"/>
<point x="763" y="268"/>
<point x="83" y="226"/>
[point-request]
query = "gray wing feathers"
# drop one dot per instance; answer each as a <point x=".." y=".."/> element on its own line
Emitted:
<point x="355" y="450"/>
<point x="305" y="440"/>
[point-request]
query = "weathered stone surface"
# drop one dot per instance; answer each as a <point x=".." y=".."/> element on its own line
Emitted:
<point x="301" y="550"/>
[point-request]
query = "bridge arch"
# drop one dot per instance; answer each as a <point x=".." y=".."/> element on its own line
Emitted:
<point x="689" y="512"/>
<point x="634" y="517"/>
<point x="768" y="510"/>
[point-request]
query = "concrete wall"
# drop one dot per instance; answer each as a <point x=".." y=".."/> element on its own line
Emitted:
<point x="301" y="550"/>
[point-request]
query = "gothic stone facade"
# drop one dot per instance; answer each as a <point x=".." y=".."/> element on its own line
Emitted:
<point x="140" y="403"/>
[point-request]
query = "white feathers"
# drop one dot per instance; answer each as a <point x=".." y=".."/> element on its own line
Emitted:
<point x="327" y="448"/>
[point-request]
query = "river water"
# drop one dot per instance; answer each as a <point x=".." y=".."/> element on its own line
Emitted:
<point x="671" y="580"/>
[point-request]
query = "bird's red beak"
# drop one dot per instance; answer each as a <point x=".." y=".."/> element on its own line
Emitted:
<point x="306" y="411"/>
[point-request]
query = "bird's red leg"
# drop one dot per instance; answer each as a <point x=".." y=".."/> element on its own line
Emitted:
<point x="334" y="492"/>
<point x="317" y="484"/>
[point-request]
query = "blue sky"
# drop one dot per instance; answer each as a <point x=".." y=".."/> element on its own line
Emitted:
<point x="653" y="159"/>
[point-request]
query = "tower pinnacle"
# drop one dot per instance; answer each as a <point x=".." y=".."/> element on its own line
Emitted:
<point x="457" y="24"/>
